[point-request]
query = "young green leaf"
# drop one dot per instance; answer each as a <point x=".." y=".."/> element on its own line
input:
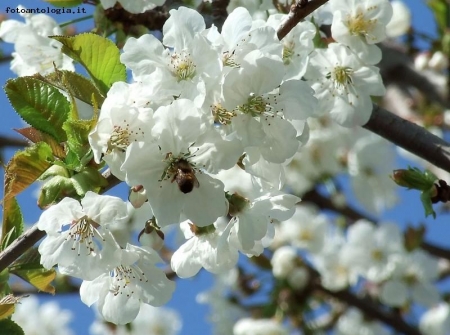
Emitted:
<point x="7" y="307"/>
<point x="77" y="136"/>
<point x="75" y="84"/>
<point x="39" y="278"/>
<point x="29" y="268"/>
<point x="36" y="136"/>
<point x="25" y="167"/>
<point x="12" y="226"/>
<point x="41" y="105"/>
<point x="65" y="3"/>
<point x="98" y="55"/>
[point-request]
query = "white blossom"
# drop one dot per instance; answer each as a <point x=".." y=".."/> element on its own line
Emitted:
<point x="208" y="249"/>
<point x="259" y="326"/>
<point x="343" y="84"/>
<point x="34" y="51"/>
<point x="42" y="319"/>
<point x="119" y="293"/>
<point x="436" y="321"/>
<point x="360" y="24"/>
<point x="78" y="239"/>
<point x="177" y="161"/>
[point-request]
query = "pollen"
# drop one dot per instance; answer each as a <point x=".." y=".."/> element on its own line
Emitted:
<point x="360" y="26"/>
<point x="222" y="115"/>
<point x="122" y="135"/>
<point x="288" y="52"/>
<point x="228" y="59"/>
<point x="182" y="66"/>
<point x="341" y="76"/>
<point x="255" y="106"/>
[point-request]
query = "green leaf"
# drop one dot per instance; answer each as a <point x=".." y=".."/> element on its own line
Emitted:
<point x="25" y="167"/>
<point x="9" y="327"/>
<point x="98" y="55"/>
<point x="6" y="310"/>
<point x="65" y="3"/>
<point x="425" y="197"/>
<point x="440" y="11"/>
<point x="89" y="179"/>
<point x="41" y="105"/>
<point x="29" y="268"/>
<point x="30" y="260"/>
<point x="77" y="136"/>
<point x="75" y="84"/>
<point x="36" y="136"/>
<point x="39" y="278"/>
<point x="12" y="226"/>
<point x="7" y="306"/>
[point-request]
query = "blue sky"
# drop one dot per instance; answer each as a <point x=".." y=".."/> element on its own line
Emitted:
<point x="194" y="315"/>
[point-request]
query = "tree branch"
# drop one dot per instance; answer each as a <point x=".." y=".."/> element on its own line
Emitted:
<point x="410" y="136"/>
<point x="372" y="310"/>
<point x="297" y="13"/>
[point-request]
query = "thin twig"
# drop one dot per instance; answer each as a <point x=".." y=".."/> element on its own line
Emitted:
<point x="298" y="12"/>
<point x="371" y="310"/>
<point x="325" y="203"/>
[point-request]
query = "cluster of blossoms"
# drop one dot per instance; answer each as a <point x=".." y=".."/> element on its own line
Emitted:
<point x="376" y="253"/>
<point x="372" y="256"/>
<point x="207" y="134"/>
<point x="34" y="51"/>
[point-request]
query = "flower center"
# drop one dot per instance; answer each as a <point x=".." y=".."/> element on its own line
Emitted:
<point x="341" y="76"/>
<point x="228" y="59"/>
<point x="122" y="276"/>
<point x="121" y="137"/>
<point x="182" y="66"/>
<point x="288" y="52"/>
<point x="359" y="25"/>
<point x="83" y="231"/>
<point x="237" y="203"/>
<point x="221" y="115"/>
<point x="255" y="106"/>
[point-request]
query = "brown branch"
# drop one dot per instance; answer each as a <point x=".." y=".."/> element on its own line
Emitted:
<point x="325" y="203"/>
<point x="397" y="68"/>
<point x="297" y="13"/>
<point x="371" y="310"/>
<point x="8" y="141"/>
<point x="219" y="12"/>
<point x="153" y="19"/>
<point x="410" y="136"/>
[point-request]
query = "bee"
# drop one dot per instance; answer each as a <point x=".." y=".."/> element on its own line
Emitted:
<point x="185" y="176"/>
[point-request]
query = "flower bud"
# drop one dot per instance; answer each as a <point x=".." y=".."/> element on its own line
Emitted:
<point x="55" y="189"/>
<point x="438" y="62"/>
<point x="283" y="261"/>
<point x="414" y="178"/>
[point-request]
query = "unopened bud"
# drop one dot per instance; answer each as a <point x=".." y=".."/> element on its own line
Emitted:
<point x="54" y="190"/>
<point x="413" y="178"/>
<point x="438" y="62"/>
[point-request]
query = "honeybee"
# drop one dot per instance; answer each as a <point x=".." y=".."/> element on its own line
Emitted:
<point x="185" y="176"/>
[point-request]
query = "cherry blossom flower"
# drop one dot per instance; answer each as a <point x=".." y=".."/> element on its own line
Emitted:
<point x="34" y="51"/>
<point x="78" y="239"/>
<point x="361" y="24"/>
<point x="119" y="293"/>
